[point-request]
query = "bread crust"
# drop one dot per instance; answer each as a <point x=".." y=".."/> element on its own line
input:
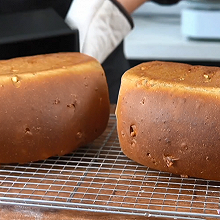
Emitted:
<point x="50" y="105"/>
<point x="169" y="123"/>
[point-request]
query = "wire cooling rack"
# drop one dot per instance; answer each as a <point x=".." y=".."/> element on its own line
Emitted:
<point x="100" y="178"/>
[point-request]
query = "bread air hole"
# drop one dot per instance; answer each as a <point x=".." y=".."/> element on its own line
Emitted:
<point x="133" y="131"/>
<point x="143" y="101"/>
<point x="28" y="131"/>
<point x="79" y="134"/>
<point x="133" y="143"/>
<point x="71" y="106"/>
<point x="56" y="101"/>
<point x="16" y="81"/>
<point x="122" y="134"/>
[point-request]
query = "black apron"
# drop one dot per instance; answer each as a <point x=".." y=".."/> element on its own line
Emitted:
<point x="11" y="6"/>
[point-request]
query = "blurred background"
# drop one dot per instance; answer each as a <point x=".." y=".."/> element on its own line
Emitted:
<point x="35" y="27"/>
<point x="185" y="32"/>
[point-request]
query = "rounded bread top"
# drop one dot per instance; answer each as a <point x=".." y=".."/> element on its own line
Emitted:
<point x="177" y="74"/>
<point x="40" y="63"/>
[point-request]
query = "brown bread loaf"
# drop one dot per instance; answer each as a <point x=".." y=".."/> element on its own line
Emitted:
<point x="168" y="118"/>
<point x="50" y="105"/>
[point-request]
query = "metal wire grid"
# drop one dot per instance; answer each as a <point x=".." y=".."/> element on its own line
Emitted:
<point x="100" y="178"/>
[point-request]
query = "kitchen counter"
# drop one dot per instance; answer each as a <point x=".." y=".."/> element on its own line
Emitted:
<point x="158" y="36"/>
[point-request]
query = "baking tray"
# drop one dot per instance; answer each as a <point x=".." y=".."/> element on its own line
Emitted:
<point x="100" y="178"/>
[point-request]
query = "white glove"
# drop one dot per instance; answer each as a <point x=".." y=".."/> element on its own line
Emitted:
<point x="102" y="25"/>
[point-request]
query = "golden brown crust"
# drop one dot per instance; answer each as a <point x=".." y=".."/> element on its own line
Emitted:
<point x="169" y="124"/>
<point x="50" y="105"/>
<point x="39" y="63"/>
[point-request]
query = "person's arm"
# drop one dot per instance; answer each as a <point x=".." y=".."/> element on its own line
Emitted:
<point x="131" y="5"/>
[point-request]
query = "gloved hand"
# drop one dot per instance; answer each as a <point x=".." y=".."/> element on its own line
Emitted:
<point x="102" y="25"/>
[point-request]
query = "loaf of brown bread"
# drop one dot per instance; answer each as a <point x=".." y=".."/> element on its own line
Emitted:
<point x="50" y="105"/>
<point x="168" y="118"/>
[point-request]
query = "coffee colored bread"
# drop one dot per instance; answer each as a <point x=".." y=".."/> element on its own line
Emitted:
<point x="168" y="118"/>
<point x="50" y="105"/>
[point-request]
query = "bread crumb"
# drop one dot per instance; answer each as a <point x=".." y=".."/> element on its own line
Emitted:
<point x="169" y="160"/>
<point x="184" y="176"/>
<point x="79" y="134"/>
<point x="206" y="76"/>
<point x="16" y="81"/>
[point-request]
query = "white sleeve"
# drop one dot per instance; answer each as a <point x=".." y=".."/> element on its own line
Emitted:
<point x="102" y="25"/>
